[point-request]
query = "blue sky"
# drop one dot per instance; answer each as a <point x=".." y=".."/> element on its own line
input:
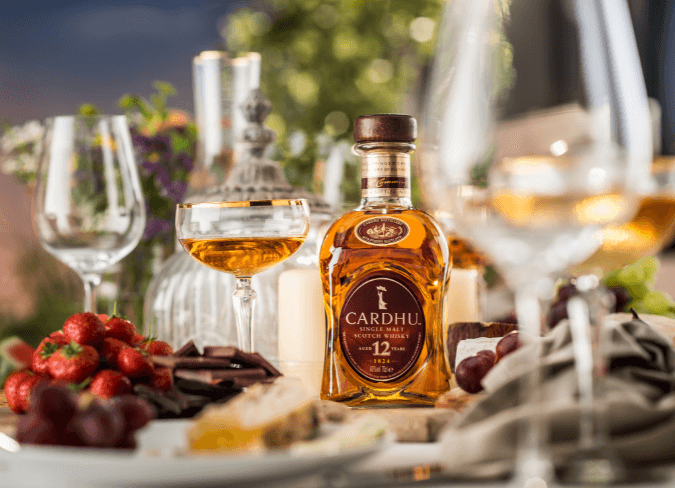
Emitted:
<point x="56" y="54"/>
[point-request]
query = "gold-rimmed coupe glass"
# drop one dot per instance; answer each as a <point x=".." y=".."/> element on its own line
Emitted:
<point x="242" y="239"/>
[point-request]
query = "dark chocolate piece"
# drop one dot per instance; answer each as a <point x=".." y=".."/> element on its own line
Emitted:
<point x="214" y="376"/>
<point x="191" y="362"/>
<point x="158" y="397"/>
<point x="187" y="350"/>
<point x="266" y="365"/>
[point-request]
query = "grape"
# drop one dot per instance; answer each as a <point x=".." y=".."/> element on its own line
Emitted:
<point x="621" y="298"/>
<point x="55" y="403"/>
<point x="508" y="344"/>
<point x="556" y="313"/>
<point x="32" y="429"/>
<point x="471" y="371"/>
<point x="566" y="292"/>
<point x="490" y="355"/>
<point x="135" y="411"/>
<point x="99" y="426"/>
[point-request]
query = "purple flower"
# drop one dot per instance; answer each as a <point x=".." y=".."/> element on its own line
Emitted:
<point x="185" y="162"/>
<point x="177" y="190"/>
<point x="156" y="226"/>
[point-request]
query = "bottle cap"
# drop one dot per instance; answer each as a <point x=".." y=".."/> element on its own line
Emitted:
<point x="385" y="128"/>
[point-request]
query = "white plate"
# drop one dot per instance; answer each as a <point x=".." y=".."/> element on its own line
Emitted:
<point x="156" y="463"/>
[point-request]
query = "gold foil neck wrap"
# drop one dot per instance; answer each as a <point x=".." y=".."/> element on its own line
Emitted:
<point x="385" y="175"/>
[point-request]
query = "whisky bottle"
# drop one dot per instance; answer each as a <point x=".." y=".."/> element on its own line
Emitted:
<point x="384" y="270"/>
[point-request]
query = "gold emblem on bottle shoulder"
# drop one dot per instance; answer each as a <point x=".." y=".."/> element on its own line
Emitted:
<point x="382" y="231"/>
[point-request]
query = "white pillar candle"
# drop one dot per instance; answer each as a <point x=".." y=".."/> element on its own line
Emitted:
<point x="302" y="326"/>
<point x="462" y="300"/>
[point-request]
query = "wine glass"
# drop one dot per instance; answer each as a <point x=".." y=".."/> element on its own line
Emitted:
<point x="88" y="208"/>
<point x="242" y="239"/>
<point x="537" y="135"/>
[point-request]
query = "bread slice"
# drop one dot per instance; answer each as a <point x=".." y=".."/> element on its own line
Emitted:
<point x="263" y="417"/>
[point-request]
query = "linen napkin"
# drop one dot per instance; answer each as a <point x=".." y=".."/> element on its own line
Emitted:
<point x="638" y="394"/>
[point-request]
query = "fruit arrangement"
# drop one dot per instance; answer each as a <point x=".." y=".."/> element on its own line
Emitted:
<point x="102" y="355"/>
<point x="471" y="371"/>
<point x="58" y="416"/>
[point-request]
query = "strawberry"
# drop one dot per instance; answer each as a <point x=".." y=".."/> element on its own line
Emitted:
<point x="104" y="317"/>
<point x="162" y="379"/>
<point x="12" y="385"/>
<point x="109" y="383"/>
<point x="110" y="348"/>
<point x="74" y="362"/>
<point x="44" y="351"/>
<point x="18" y="388"/>
<point x="26" y="389"/>
<point x="138" y="338"/>
<point x="156" y="348"/>
<point x="121" y="329"/>
<point x="84" y="328"/>
<point x="59" y="337"/>
<point x="134" y="363"/>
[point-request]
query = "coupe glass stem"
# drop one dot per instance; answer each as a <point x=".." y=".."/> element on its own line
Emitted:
<point x="91" y="281"/>
<point x="244" y="304"/>
<point x="594" y="463"/>
<point x="531" y="458"/>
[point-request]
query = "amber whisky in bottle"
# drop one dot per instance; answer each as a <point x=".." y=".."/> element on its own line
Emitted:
<point x="384" y="269"/>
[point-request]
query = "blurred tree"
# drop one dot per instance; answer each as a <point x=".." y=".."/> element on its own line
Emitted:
<point x="325" y="63"/>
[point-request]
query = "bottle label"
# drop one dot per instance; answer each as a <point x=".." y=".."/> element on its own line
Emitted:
<point x="385" y="175"/>
<point x="382" y="231"/>
<point x="382" y="326"/>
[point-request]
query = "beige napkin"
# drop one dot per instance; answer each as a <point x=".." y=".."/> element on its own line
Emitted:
<point x="639" y="392"/>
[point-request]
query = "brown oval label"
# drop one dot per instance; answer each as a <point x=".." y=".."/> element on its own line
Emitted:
<point x="382" y="326"/>
<point x="382" y="231"/>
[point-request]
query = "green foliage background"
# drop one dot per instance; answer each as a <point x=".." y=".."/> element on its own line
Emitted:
<point x="327" y="62"/>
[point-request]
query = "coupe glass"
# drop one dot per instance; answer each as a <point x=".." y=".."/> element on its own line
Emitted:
<point x="88" y="208"/>
<point x="537" y="135"/>
<point x="242" y="239"/>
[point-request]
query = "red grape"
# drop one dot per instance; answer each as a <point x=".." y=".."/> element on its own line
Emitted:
<point x="488" y="354"/>
<point x="99" y="426"/>
<point x="508" y="344"/>
<point x="32" y="429"/>
<point x="471" y="371"/>
<point x="136" y="412"/>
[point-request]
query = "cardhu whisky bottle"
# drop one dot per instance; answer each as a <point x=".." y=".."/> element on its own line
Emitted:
<point x="384" y="269"/>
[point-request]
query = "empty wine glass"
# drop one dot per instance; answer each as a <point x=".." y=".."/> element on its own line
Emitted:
<point x="243" y="238"/>
<point x="537" y="135"/>
<point x="88" y="208"/>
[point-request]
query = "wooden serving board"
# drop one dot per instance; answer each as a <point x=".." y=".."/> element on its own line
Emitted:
<point x="8" y="419"/>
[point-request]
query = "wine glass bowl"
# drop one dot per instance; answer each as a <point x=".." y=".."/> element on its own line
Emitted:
<point x="242" y="239"/>
<point x="88" y="208"/>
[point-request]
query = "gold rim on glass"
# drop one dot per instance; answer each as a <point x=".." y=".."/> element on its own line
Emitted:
<point x="247" y="203"/>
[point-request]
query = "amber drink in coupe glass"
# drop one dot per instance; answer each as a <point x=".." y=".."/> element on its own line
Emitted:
<point x="242" y="239"/>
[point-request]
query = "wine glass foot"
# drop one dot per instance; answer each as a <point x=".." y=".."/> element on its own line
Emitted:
<point x="592" y="467"/>
<point x="533" y="471"/>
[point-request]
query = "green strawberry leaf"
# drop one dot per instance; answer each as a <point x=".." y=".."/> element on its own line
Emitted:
<point x="49" y="349"/>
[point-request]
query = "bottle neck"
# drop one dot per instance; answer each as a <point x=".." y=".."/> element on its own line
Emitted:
<point x="385" y="174"/>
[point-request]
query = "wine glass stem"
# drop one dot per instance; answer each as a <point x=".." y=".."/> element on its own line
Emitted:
<point x="532" y="459"/>
<point x="91" y="281"/>
<point x="244" y="304"/>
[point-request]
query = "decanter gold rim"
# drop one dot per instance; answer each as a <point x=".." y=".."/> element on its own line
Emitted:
<point x="246" y="203"/>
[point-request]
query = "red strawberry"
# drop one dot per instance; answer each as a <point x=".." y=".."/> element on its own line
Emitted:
<point x="26" y="389"/>
<point x="156" y="348"/>
<point x="84" y="328"/>
<point x="110" y="348"/>
<point x="41" y="356"/>
<point x="59" y="337"/>
<point x="109" y="383"/>
<point x="134" y="363"/>
<point x="162" y="379"/>
<point x="121" y="329"/>
<point x="12" y="386"/>
<point x="138" y="338"/>
<point x="74" y="362"/>
<point x="104" y="317"/>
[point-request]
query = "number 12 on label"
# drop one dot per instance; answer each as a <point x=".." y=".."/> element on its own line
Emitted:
<point x="385" y="348"/>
